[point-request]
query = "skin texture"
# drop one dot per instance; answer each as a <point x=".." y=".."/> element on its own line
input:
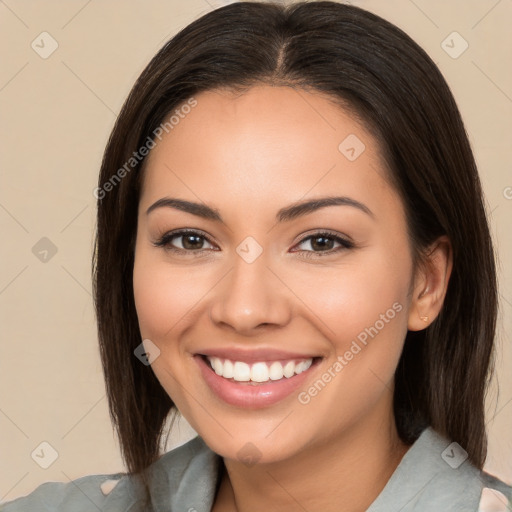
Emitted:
<point x="248" y="155"/>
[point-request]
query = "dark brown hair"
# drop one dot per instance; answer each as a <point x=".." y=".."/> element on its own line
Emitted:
<point x="360" y="60"/>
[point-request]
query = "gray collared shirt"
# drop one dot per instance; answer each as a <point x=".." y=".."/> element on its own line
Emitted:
<point x="433" y="476"/>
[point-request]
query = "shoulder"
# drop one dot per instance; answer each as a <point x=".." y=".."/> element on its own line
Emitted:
<point x="436" y="474"/>
<point x="76" y="495"/>
<point x="461" y="483"/>
<point x="496" y="494"/>
<point x="190" y="462"/>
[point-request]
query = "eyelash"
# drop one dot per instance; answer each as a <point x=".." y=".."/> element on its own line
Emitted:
<point x="165" y="242"/>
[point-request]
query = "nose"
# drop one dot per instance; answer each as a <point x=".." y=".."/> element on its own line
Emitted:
<point x="250" y="298"/>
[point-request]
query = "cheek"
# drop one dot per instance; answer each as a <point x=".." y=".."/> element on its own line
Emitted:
<point x="361" y="310"/>
<point x="163" y="295"/>
<point x="364" y="292"/>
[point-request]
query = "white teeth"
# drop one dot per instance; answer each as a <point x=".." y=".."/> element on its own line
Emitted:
<point x="303" y="366"/>
<point x="276" y="371"/>
<point x="241" y="372"/>
<point x="300" y="368"/>
<point x="228" y="369"/>
<point x="289" y="369"/>
<point x="217" y="366"/>
<point x="258" y="372"/>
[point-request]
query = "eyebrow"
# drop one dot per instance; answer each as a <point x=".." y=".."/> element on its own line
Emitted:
<point x="285" y="214"/>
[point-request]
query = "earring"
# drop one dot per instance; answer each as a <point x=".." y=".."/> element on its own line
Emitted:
<point x="424" y="318"/>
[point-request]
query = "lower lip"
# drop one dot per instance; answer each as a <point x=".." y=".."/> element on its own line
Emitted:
<point x="250" y="395"/>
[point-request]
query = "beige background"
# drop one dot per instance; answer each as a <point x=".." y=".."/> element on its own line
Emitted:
<point x="56" y="115"/>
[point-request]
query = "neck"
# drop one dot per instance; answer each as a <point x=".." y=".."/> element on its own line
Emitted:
<point x="350" y="470"/>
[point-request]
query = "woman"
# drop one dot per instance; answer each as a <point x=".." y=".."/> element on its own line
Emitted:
<point x="292" y="251"/>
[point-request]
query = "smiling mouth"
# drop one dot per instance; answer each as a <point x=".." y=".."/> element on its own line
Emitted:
<point x="258" y="372"/>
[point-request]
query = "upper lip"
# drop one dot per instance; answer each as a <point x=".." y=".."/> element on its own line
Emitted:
<point x="253" y="355"/>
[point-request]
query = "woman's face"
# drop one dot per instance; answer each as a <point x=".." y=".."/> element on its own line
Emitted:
<point x="310" y="303"/>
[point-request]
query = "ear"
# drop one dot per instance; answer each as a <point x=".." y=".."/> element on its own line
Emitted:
<point x="430" y="285"/>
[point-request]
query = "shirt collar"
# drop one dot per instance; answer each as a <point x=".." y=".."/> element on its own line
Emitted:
<point x="431" y="474"/>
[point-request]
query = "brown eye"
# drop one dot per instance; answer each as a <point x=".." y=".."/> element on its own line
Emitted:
<point x="324" y="242"/>
<point x="188" y="241"/>
<point x="321" y="243"/>
<point x="192" y="241"/>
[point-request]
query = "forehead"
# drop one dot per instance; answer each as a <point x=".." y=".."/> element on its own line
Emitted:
<point x="267" y="145"/>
